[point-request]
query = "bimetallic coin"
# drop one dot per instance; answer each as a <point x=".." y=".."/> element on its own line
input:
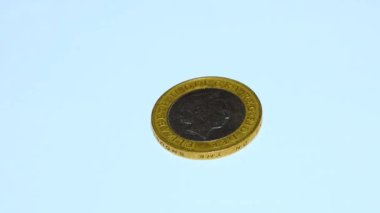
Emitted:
<point x="206" y="118"/>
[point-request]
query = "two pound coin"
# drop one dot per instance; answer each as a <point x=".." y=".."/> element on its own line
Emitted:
<point x="206" y="118"/>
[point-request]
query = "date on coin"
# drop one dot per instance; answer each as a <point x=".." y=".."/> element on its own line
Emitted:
<point x="206" y="118"/>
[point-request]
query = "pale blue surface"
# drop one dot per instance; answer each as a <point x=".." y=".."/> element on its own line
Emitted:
<point x="78" y="81"/>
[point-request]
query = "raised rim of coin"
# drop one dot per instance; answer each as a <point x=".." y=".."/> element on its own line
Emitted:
<point x="214" y="148"/>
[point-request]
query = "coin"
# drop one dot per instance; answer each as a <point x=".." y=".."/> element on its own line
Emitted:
<point x="207" y="117"/>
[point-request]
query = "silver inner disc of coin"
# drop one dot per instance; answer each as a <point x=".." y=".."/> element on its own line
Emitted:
<point x="206" y="114"/>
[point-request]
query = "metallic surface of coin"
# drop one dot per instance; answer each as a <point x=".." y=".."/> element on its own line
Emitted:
<point x="206" y="114"/>
<point x="206" y="118"/>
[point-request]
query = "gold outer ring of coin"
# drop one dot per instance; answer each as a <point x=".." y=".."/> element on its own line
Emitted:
<point x="214" y="148"/>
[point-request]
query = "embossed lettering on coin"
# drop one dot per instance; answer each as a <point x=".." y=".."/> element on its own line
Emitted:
<point x="206" y="114"/>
